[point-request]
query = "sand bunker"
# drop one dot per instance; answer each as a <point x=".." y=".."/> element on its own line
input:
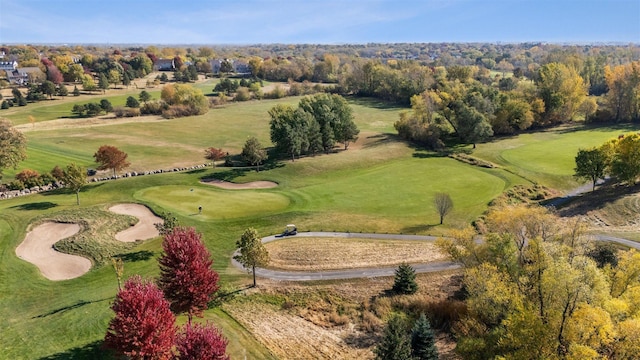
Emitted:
<point x="37" y="248"/>
<point x="144" y="229"/>
<point x="233" y="186"/>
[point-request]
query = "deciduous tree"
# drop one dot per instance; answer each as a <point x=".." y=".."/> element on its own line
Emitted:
<point x="214" y="155"/>
<point x="110" y="157"/>
<point x="443" y="204"/>
<point x="75" y="177"/>
<point x="186" y="277"/>
<point x="143" y="327"/>
<point x="13" y="146"/>
<point x="201" y="342"/>
<point x="252" y="252"/>
<point x="591" y="165"/>
<point x="253" y="152"/>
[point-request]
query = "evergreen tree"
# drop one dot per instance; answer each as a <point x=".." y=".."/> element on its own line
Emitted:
<point x="422" y="340"/>
<point x="76" y="92"/>
<point x="405" y="280"/>
<point x="394" y="344"/>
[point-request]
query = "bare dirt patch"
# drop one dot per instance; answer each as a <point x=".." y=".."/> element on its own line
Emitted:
<point x="233" y="186"/>
<point x="37" y="248"/>
<point x="144" y="229"/>
<point x="314" y="254"/>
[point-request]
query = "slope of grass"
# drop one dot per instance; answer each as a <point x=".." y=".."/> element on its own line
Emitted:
<point x="548" y="157"/>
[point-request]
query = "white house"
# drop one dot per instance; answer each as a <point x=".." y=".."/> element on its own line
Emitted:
<point x="8" y="65"/>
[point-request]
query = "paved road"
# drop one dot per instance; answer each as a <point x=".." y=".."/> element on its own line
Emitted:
<point x="348" y="273"/>
<point x="378" y="271"/>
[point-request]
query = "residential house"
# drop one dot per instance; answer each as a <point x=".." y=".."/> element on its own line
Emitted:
<point x="26" y="75"/>
<point x="164" y="65"/>
<point x="8" y="65"/>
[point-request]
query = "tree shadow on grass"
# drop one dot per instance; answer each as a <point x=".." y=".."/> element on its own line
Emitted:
<point x="141" y="255"/>
<point x="416" y="229"/>
<point x="92" y="351"/>
<point x="44" y="205"/>
<point x="79" y="304"/>
<point x="196" y="171"/>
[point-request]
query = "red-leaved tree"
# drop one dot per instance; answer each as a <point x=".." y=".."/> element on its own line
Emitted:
<point x="186" y="277"/>
<point x="198" y="342"/>
<point x="54" y="75"/>
<point x="110" y="157"/>
<point x="214" y="154"/>
<point x="144" y="326"/>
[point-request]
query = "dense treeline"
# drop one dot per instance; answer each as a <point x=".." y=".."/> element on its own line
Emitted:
<point x="316" y="125"/>
<point x="538" y="289"/>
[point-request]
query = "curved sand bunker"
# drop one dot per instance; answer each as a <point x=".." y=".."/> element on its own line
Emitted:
<point x="37" y="247"/>
<point x="144" y="229"/>
<point x="233" y="186"/>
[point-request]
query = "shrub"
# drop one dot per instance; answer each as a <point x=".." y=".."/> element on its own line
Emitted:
<point x="126" y="112"/>
<point x="132" y="102"/>
<point x="242" y="94"/>
<point x="175" y="111"/>
<point x="277" y="93"/>
<point x="29" y="178"/>
<point x="5" y="104"/>
<point x="154" y="107"/>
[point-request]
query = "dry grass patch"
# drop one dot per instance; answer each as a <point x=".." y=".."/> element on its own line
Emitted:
<point x="308" y="253"/>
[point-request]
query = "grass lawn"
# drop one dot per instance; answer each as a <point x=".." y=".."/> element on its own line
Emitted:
<point x="548" y="157"/>
<point x="379" y="185"/>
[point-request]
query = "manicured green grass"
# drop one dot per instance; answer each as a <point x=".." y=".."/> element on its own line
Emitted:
<point x="381" y="185"/>
<point x="548" y="157"/>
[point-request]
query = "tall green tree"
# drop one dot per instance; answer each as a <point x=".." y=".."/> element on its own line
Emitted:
<point x="48" y="88"/>
<point x="75" y="178"/>
<point x="335" y="117"/>
<point x="290" y="129"/>
<point x="252" y="252"/>
<point x="13" y="146"/>
<point x="253" y="152"/>
<point x="423" y="343"/>
<point x="394" y="344"/>
<point x="103" y="83"/>
<point x="591" y="165"/>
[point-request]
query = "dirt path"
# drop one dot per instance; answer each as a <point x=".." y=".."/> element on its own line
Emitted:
<point x="233" y="186"/>
<point x="37" y="248"/>
<point x="144" y="229"/>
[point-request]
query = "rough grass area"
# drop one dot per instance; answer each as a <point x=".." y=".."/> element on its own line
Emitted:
<point x="341" y="320"/>
<point x="96" y="239"/>
<point x="312" y="254"/>
<point x="611" y="209"/>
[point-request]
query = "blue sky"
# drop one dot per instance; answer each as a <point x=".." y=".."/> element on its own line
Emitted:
<point x="317" y="21"/>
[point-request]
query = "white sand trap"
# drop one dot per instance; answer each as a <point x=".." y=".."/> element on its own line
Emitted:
<point x="233" y="186"/>
<point x="144" y="229"/>
<point x="37" y="248"/>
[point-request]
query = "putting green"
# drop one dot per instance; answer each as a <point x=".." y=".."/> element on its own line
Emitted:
<point x="216" y="204"/>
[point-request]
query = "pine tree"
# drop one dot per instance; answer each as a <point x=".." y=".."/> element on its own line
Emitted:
<point x="405" y="280"/>
<point x="395" y="341"/>
<point x="422" y="340"/>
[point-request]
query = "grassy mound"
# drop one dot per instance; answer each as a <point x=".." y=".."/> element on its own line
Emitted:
<point x="96" y="239"/>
